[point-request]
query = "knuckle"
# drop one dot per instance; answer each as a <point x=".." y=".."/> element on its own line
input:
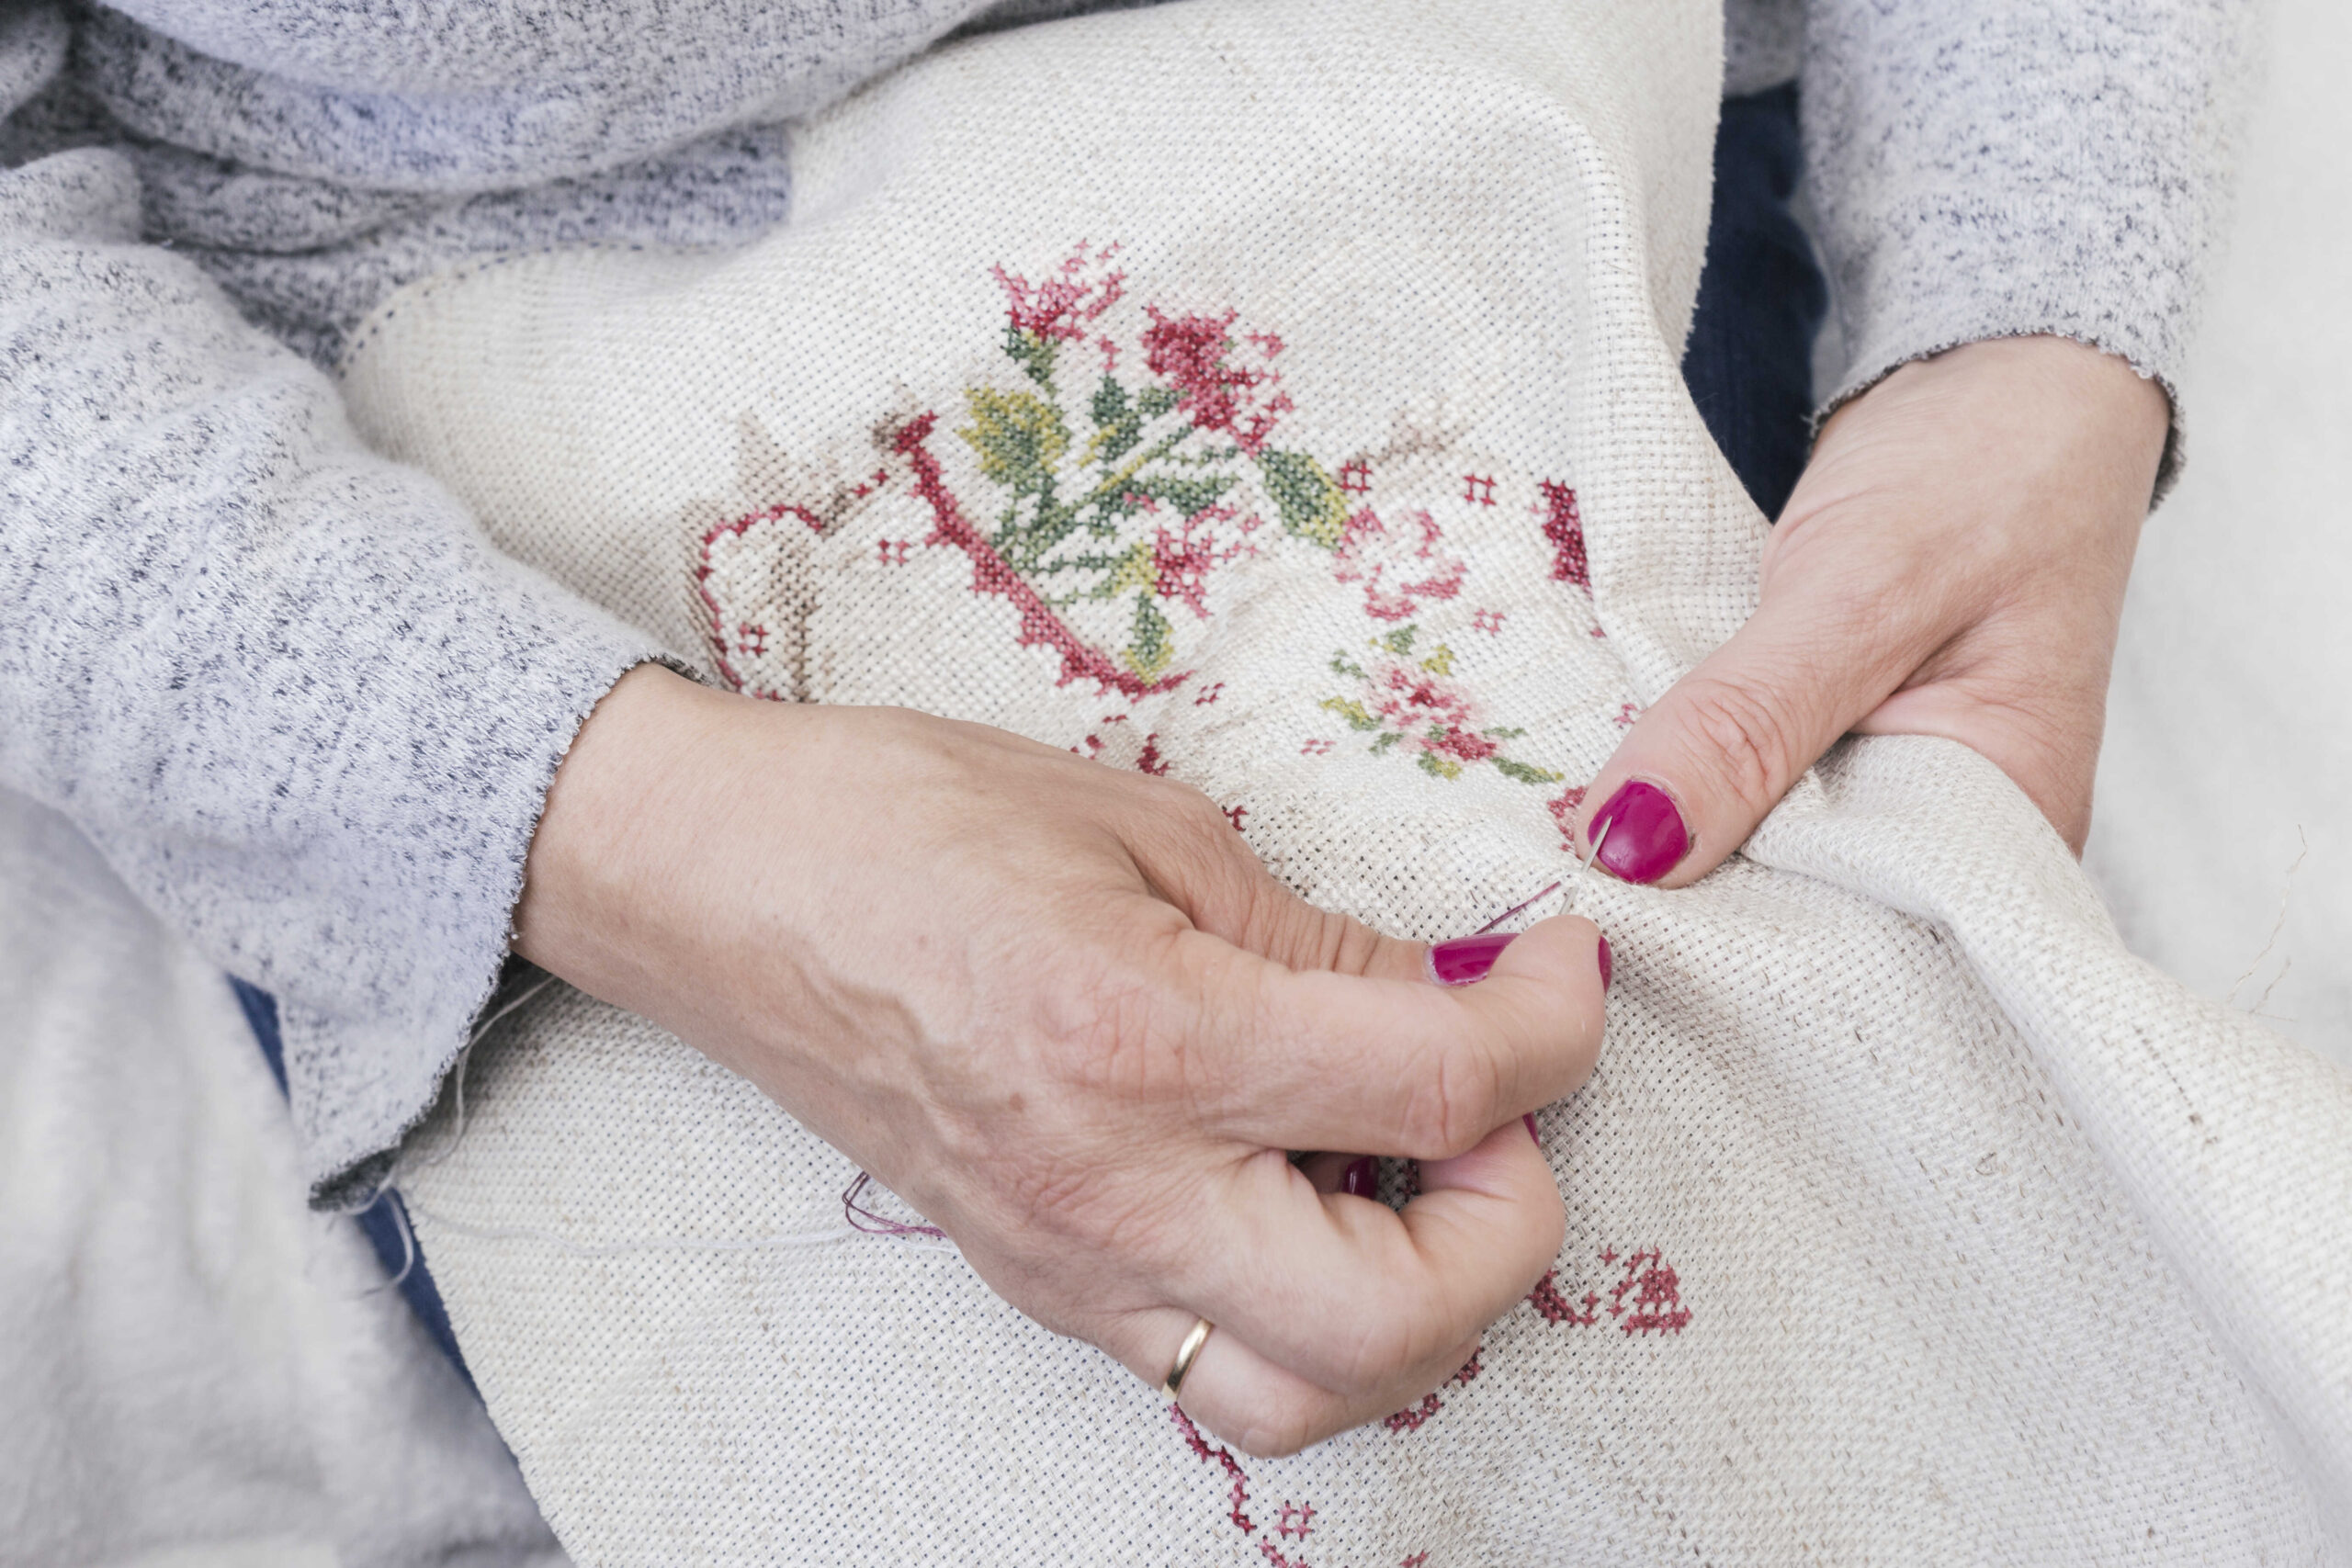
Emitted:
<point x="1744" y="735"/>
<point x="1450" y="1108"/>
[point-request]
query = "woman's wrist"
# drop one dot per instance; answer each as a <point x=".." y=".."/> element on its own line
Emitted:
<point x="600" y="884"/>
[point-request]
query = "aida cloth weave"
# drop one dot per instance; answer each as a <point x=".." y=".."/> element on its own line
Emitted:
<point x="1282" y="397"/>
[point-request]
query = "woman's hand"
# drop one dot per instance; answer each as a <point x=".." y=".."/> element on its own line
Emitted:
<point x="1952" y="563"/>
<point x="1063" y="1011"/>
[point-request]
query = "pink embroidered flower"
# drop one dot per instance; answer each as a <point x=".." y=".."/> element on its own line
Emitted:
<point x="1400" y="567"/>
<point x="1182" y="561"/>
<point x="1195" y="354"/>
<point x="1059" y="309"/>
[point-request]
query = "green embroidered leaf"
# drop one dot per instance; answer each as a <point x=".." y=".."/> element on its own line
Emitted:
<point x="1135" y="569"/>
<point x="1399" y="642"/>
<point x="1149" y="653"/>
<point x="1341" y="666"/>
<point x="1189" y="497"/>
<point x="1384" y="742"/>
<point x="1020" y="437"/>
<point x="1156" y="401"/>
<point x="1117" y="423"/>
<point x="1439" y="767"/>
<point x="1311" y="505"/>
<point x="1356" y="715"/>
<point x="1526" y="775"/>
<point x="1033" y="353"/>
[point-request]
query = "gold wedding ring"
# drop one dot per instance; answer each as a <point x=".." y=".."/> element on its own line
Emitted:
<point x="1171" y="1388"/>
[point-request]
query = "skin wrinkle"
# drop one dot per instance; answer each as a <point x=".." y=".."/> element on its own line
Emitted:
<point x="312" y="718"/>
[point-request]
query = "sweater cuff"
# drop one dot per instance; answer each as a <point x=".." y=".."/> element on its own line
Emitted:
<point x="361" y="1078"/>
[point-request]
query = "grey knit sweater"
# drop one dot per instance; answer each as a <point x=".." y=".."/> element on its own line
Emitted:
<point x="309" y="715"/>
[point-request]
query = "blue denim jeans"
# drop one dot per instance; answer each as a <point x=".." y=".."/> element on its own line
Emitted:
<point x="1750" y="368"/>
<point x="384" y="1223"/>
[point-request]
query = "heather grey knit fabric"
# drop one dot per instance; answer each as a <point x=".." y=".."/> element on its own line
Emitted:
<point x="310" y="714"/>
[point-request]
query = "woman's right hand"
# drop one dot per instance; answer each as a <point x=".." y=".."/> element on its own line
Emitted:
<point x="1063" y="1011"/>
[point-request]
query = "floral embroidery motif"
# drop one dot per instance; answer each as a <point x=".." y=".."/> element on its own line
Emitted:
<point x="1413" y="703"/>
<point x="1133" y="494"/>
<point x="1126" y="459"/>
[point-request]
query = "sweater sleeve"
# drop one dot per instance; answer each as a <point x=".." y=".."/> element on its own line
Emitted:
<point x="1984" y="168"/>
<point x="288" y="688"/>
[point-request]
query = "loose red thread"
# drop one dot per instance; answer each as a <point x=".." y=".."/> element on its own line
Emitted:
<point x="717" y="621"/>
<point x="1316" y="748"/>
<point x="1151" y="762"/>
<point x="1626" y="714"/>
<point x="992" y="573"/>
<point x="1418" y="1560"/>
<point x="1209" y="697"/>
<point x="862" y="1218"/>
<point x="1478" y="488"/>
<point x="1233" y="813"/>
<point x="1222" y="1456"/>
<point x="1274" y="1558"/>
<point x="1564" y="526"/>
<point x="1294" y="1520"/>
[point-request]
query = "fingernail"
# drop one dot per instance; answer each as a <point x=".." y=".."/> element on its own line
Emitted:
<point x="1604" y="962"/>
<point x="1530" y="1119"/>
<point x="1467" y="958"/>
<point x="1362" y="1177"/>
<point x="1646" y="838"/>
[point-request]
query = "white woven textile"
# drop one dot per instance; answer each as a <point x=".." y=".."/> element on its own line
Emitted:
<point x="1284" y="395"/>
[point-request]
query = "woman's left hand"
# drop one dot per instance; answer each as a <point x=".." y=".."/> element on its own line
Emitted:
<point x="1952" y="563"/>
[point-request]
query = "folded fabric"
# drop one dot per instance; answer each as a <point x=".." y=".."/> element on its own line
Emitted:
<point x="1282" y="397"/>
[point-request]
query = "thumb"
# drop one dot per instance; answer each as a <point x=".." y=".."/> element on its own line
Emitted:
<point x="1719" y="749"/>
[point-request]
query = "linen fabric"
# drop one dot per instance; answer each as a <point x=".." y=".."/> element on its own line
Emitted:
<point x="313" y="725"/>
<point x="1300" y="419"/>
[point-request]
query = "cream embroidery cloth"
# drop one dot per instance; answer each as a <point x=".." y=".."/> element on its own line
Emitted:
<point x="1282" y="396"/>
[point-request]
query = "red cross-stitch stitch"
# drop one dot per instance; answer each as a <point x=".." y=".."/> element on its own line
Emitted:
<point x="1478" y="488"/>
<point x="1564" y="526"/>
<point x="1294" y="1520"/>
<point x="1356" y="478"/>
<point x="1222" y="1456"/>
<point x="1657" y="1296"/>
<point x="714" y="625"/>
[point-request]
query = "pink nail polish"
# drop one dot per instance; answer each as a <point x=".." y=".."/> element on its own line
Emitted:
<point x="1362" y="1178"/>
<point x="1530" y="1119"/>
<point x="1604" y="955"/>
<point x="1646" y="838"/>
<point x="1466" y="959"/>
